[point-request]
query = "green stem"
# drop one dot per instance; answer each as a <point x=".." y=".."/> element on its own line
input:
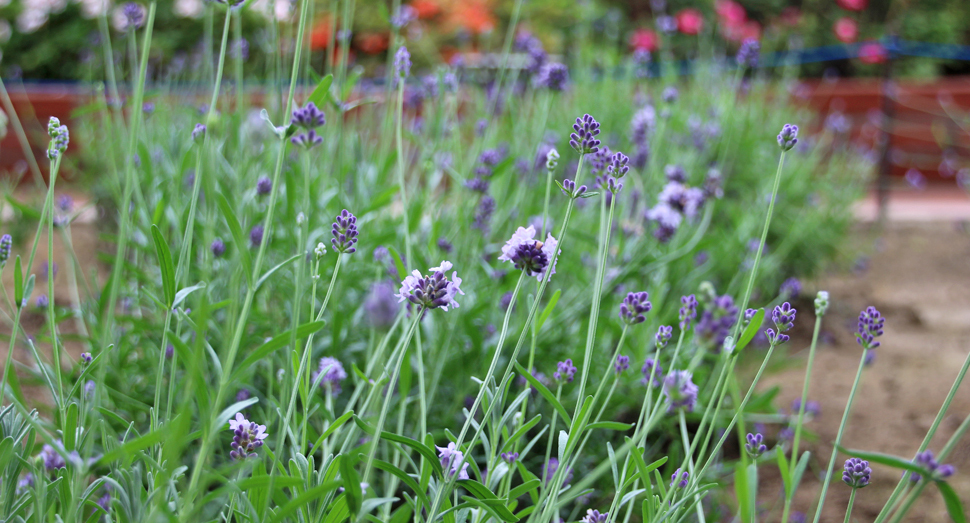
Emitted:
<point x="848" y="510"/>
<point x="838" y="437"/>
<point x="399" y="143"/>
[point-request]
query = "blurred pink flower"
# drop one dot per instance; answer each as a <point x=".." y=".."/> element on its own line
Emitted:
<point x="853" y="5"/>
<point x="689" y="21"/>
<point x="872" y="53"/>
<point x="644" y="40"/>
<point x="846" y="30"/>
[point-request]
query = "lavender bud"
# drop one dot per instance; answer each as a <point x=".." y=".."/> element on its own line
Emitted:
<point x="86" y="358"/>
<point x="308" y="117"/>
<point x="510" y="457"/>
<point x="42" y="301"/>
<point x="552" y="160"/>
<point x="583" y="140"/>
<point x="869" y="328"/>
<point x="664" y="333"/>
<point x="652" y="373"/>
<point x="198" y="133"/>
<point x="680" y="479"/>
<point x="256" y="235"/>
<point x="134" y="16"/>
<point x="680" y="390"/>
<point x="775" y="338"/>
<point x="670" y="95"/>
<point x="402" y="64"/>
<point x="783" y="316"/>
<point x="218" y="247"/>
<point x="688" y="311"/>
<point x="6" y="242"/>
<point x="320" y="250"/>
<point x="788" y="137"/>
<point x="344" y="232"/>
<point x="755" y="446"/>
<point x="329" y="374"/>
<point x="622" y="363"/>
<point x="595" y="516"/>
<point x="248" y="436"/>
<point x="856" y="473"/>
<point x="264" y="185"/>
<point x="564" y="371"/>
<point x="553" y="76"/>
<point x="634" y="308"/>
<point x="821" y="303"/>
<point x="749" y="53"/>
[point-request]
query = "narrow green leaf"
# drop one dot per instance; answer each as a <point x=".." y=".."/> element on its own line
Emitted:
<point x="953" y="505"/>
<point x="785" y="472"/>
<point x="495" y="507"/>
<point x="333" y="426"/>
<point x="259" y="282"/>
<point x="609" y="425"/>
<point x="277" y="342"/>
<point x="27" y="211"/>
<point x="351" y="483"/>
<point x="129" y="448"/>
<point x="18" y="283"/>
<point x="230" y="411"/>
<point x="337" y="511"/>
<point x="799" y="471"/>
<point x="401" y="271"/>
<point x="166" y="266"/>
<point x="545" y="393"/>
<point x="237" y="234"/>
<point x="524" y="487"/>
<point x="741" y="491"/>
<point x="422" y="449"/>
<point x="477" y="489"/>
<point x="510" y="441"/>
<point x="750" y="331"/>
<point x="182" y="294"/>
<point x="321" y="92"/>
<point x="548" y="310"/>
<point x="407" y="480"/>
<point x="70" y="427"/>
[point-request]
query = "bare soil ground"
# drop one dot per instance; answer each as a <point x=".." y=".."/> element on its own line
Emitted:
<point x="919" y="278"/>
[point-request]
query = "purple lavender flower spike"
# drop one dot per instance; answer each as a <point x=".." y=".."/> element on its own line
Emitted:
<point x="256" y="235"/>
<point x="926" y="460"/>
<point x="583" y="140"/>
<point x="680" y="478"/>
<point x="775" y="338"/>
<point x="675" y="173"/>
<point x="870" y="327"/>
<point x="622" y="363"/>
<point x="218" y="247"/>
<point x="510" y="457"/>
<point x="549" y="470"/>
<point x="434" y="291"/>
<point x="483" y="215"/>
<point x="451" y="457"/>
<point x="534" y="257"/>
<point x="308" y="117"/>
<point x="42" y="301"/>
<point x="569" y="189"/>
<point x="791" y="288"/>
<point x="812" y="408"/>
<point x="89" y="387"/>
<point x="404" y="16"/>
<point x="6" y="242"/>
<point x="680" y="390"/>
<point x="652" y="373"/>
<point x="344" y="232"/>
<point x="553" y="76"/>
<point x="748" y="316"/>
<point x="821" y="303"/>
<point x="788" y="137"/>
<point x="565" y="371"/>
<point x="329" y="374"/>
<point x="755" y="445"/>
<point x="134" y="16"/>
<point x="380" y="306"/>
<point x="749" y="53"/>
<point x="634" y="308"/>
<point x="52" y="459"/>
<point x="688" y="311"/>
<point x="856" y="473"/>
<point x="264" y="185"/>
<point x="307" y="140"/>
<point x="198" y="133"/>
<point x="670" y="95"/>
<point x="667" y="219"/>
<point x="664" y="333"/>
<point x="247" y="437"/>
<point x="783" y="316"/>
<point x="595" y="516"/>
<point x="619" y="165"/>
<point x="402" y="64"/>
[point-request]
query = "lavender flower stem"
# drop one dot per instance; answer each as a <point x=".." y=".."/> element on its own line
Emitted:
<point x="903" y="483"/>
<point x="848" y="510"/>
<point x="801" y="411"/>
<point x="206" y="445"/>
<point x="619" y="346"/>
<point x="399" y="143"/>
<point x="552" y="426"/>
<point x="838" y="437"/>
<point x="51" y="319"/>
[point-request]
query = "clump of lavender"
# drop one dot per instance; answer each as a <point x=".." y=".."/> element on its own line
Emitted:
<point x="451" y="457"/>
<point x="680" y="478"/>
<point x="788" y="137"/>
<point x="344" y="232"/>
<point x="247" y="437"/>
<point x="256" y="235"/>
<point x="264" y="185"/>
<point x="622" y="363"/>
<point x="402" y="64"/>
<point x="595" y="516"/>
<point x="688" y="311"/>
<point x="926" y="460"/>
<point x="329" y="374"/>
<point x="218" y="247"/>
<point x="565" y="371"/>
<point x="856" y="473"/>
<point x="434" y="291"/>
<point x="634" y="308"/>
<point x="549" y="470"/>
<point x="553" y="76"/>
<point x="652" y="373"/>
<point x="483" y="214"/>
<point x="812" y="408"/>
<point x="510" y="457"/>
<point x="307" y="118"/>
<point x="783" y="316"/>
<point x="675" y="173"/>
<point x="52" y="459"/>
<point x="570" y="189"/>
<point x="6" y="242"/>
<point x="749" y="53"/>
<point x="870" y="327"/>
<point x="670" y="95"/>
<point x="198" y="133"/>
<point x="380" y="306"/>
<point x="534" y="257"/>
<point x="583" y="139"/>
<point x="755" y="445"/>
<point x="60" y="137"/>
<point x="664" y="333"/>
<point x="791" y="288"/>
<point x="716" y="321"/>
<point x="680" y="390"/>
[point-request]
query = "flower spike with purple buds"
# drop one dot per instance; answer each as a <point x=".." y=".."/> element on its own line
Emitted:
<point x="553" y="76"/>
<point x="569" y="189"/>
<point x="618" y="166"/>
<point x="218" y="247"/>
<point x="682" y="481"/>
<point x="510" y="457"/>
<point x="595" y="516"/>
<point x="680" y="390"/>
<point x="565" y="371"/>
<point x="344" y="232"/>
<point x="856" y="473"/>
<point x="86" y="358"/>
<point x="583" y="140"/>
<point x="688" y="311"/>
<point x="622" y="363"/>
<point x="198" y="133"/>
<point x="530" y="255"/>
<point x="330" y="373"/>
<point x="402" y="64"/>
<point x="652" y="373"/>
<point x="450" y="458"/>
<point x="664" y="333"/>
<point x="247" y="437"/>
<point x="134" y="16"/>
<point x="749" y="53"/>
<point x="264" y="186"/>
<point x="256" y="235"/>
<point x="788" y="137"/>
<point x="308" y="117"/>
<point x="60" y="137"/>
<point x="748" y="316"/>
<point x="6" y="242"/>
<point x="928" y="461"/>
<point x="783" y="316"/>
<point x="434" y="291"/>
<point x="755" y="445"/>
<point x="870" y="327"/>
<point x="634" y="307"/>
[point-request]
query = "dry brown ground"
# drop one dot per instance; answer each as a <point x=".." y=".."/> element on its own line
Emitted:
<point x="919" y="278"/>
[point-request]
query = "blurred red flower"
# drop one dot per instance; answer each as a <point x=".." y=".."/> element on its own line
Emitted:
<point x="472" y="15"/>
<point x="689" y="21"/>
<point x="644" y="40"/>
<point x="846" y="30"/>
<point x="730" y="12"/>
<point x="320" y="34"/>
<point x="426" y="8"/>
<point x="853" y="5"/>
<point x="791" y="16"/>
<point x="872" y="53"/>
<point x="372" y="43"/>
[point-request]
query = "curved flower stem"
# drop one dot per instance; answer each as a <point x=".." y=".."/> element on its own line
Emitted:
<point x="838" y="437"/>
<point x="848" y="510"/>
<point x="801" y="412"/>
<point x="399" y="143"/>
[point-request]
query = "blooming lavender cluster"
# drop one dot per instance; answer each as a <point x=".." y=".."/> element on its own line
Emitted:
<point x="688" y="311"/>
<point x="434" y="291"/>
<point x="680" y="479"/>
<point x="534" y="257"/>
<point x="59" y="136"/>
<point x="856" y="473"/>
<point x="641" y="127"/>
<point x="675" y="202"/>
<point x="652" y="373"/>
<point x="680" y="391"/>
<point x="783" y="316"/>
<point x="247" y="437"/>
<point x="927" y="460"/>
<point x="553" y="76"/>
<point x="452" y="460"/>
<point x="483" y="215"/>
<point x="307" y="118"/>
<point x="583" y="139"/>
<point x="755" y="445"/>
<point x="402" y="65"/>
<point x="565" y="371"/>
<point x="664" y="333"/>
<point x="329" y="374"/>
<point x="634" y="308"/>
<point x="549" y="470"/>
<point x="749" y="53"/>
<point x="719" y="316"/>
<point x="869" y="328"/>
<point x="595" y="516"/>
<point x="622" y="363"/>
<point x="344" y="232"/>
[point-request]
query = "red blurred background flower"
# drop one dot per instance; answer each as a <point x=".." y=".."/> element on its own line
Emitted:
<point x="320" y="34"/>
<point x="644" y="40"/>
<point x="853" y="5"/>
<point x="689" y="21"/>
<point x="846" y="30"/>
<point x="730" y="12"/>
<point x="426" y="9"/>
<point x="372" y="43"/>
